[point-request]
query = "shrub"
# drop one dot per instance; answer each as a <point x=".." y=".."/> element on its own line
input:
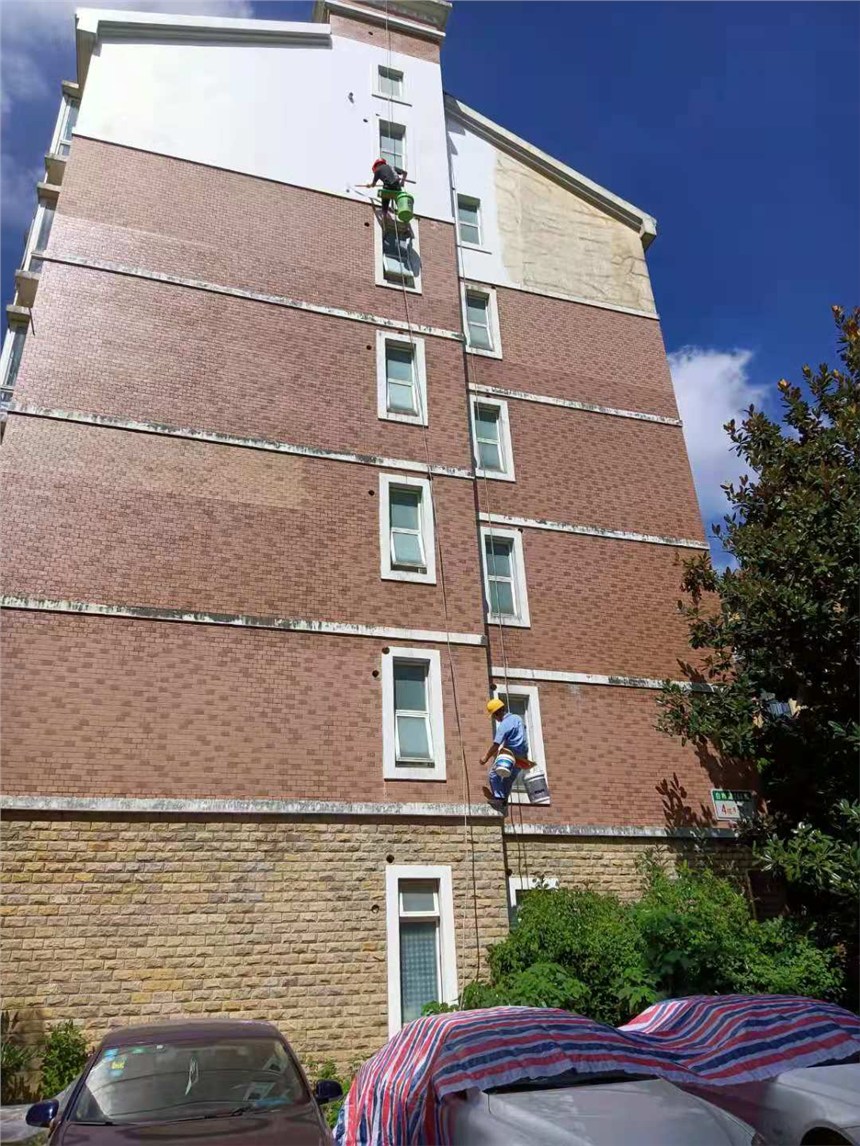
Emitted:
<point x="16" y="1060"/>
<point x="64" y="1056"/>
<point x="328" y="1070"/>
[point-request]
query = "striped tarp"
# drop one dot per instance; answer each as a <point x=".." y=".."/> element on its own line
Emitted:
<point x="396" y="1098"/>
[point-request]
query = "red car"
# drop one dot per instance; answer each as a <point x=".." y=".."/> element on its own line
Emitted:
<point x="208" y="1081"/>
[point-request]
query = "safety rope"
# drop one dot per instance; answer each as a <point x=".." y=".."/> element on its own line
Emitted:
<point x="468" y="832"/>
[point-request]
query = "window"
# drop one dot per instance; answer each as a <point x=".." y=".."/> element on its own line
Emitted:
<point x="406" y="535"/>
<point x="398" y="257"/>
<point x="13" y="348"/>
<point x="519" y="887"/>
<point x="504" y="576"/>
<point x="392" y="143"/>
<point x="39" y="235"/>
<point x="492" y="439"/>
<point x="389" y="83"/>
<point x="65" y="125"/>
<point x="523" y="700"/>
<point x="401" y="378"/>
<point x="481" y="319"/>
<point x="469" y="220"/>
<point x="413" y="733"/>
<point x="422" y="961"/>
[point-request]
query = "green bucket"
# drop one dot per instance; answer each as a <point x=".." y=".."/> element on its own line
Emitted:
<point x="404" y="203"/>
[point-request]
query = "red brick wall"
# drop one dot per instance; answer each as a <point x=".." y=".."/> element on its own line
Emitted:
<point x="161" y="214"/>
<point x="375" y="35"/>
<point x="139" y="349"/>
<point x="115" y="517"/>
<point x="568" y="350"/>
<point x="114" y="707"/>
<point x="598" y="606"/>
<point x="588" y="469"/>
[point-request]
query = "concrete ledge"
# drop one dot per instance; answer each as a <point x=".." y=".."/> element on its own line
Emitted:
<point x="166" y="806"/>
<point x="571" y="404"/>
<point x="237" y="620"/>
<point x="592" y="531"/>
<point x="622" y="831"/>
<point x="554" y="675"/>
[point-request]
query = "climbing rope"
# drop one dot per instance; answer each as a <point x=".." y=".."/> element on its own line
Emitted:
<point x="468" y="833"/>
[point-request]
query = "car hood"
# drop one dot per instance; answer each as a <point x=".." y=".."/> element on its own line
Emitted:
<point x="299" y="1127"/>
<point x="650" y="1113"/>
<point x="838" y="1083"/>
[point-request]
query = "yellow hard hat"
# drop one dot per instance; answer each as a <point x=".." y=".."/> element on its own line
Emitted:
<point x="494" y="705"/>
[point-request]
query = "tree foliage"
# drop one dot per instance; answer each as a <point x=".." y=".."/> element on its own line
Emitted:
<point x="783" y="626"/>
<point x="689" y="933"/>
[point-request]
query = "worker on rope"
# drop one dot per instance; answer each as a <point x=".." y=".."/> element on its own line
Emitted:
<point x="393" y="180"/>
<point x="510" y="747"/>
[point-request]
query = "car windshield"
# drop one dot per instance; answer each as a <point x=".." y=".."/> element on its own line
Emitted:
<point x="568" y="1078"/>
<point x="173" y="1080"/>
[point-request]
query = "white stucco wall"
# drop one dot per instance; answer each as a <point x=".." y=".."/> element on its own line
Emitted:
<point x="541" y="236"/>
<point x="278" y="111"/>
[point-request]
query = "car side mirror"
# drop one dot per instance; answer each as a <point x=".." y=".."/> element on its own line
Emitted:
<point x="43" y="1113"/>
<point x="327" y="1090"/>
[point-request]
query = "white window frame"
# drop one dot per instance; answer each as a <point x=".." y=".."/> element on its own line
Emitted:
<point x="471" y="201"/>
<point x="522" y="620"/>
<point x="489" y="292"/>
<point x="36" y="226"/>
<point x="379" y="263"/>
<point x="507" y="472"/>
<point x="440" y="874"/>
<point x="383" y="340"/>
<point x="535" y="732"/>
<point x="403" y="100"/>
<point x="428" y="533"/>
<point x="517" y="883"/>
<point x="383" y="119"/>
<point x="12" y="333"/>
<point x="391" y="770"/>
<point x="60" y="126"/>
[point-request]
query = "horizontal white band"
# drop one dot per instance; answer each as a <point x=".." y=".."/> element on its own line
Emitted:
<point x="571" y="404"/>
<point x="238" y="620"/>
<point x="552" y="675"/>
<point x="219" y="439"/>
<point x="616" y="831"/>
<point x="254" y="296"/>
<point x="591" y="531"/>
<point x="169" y="806"/>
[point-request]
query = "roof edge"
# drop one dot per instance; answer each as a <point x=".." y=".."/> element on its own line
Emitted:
<point x="614" y="205"/>
<point x="380" y="17"/>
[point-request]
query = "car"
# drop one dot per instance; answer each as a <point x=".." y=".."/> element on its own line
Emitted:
<point x="236" y="1081"/>
<point x="814" y="1106"/>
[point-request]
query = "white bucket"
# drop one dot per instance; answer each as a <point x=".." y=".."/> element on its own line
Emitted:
<point x="504" y="764"/>
<point x="537" y="788"/>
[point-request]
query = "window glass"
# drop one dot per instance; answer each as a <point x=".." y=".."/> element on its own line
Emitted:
<point x="478" y="320"/>
<point x="407" y="547"/>
<point x="17" y="349"/>
<point x="499" y="555"/>
<point x="487" y="435"/>
<point x="419" y="966"/>
<point x="392" y="143"/>
<point x="400" y="373"/>
<point x="391" y="82"/>
<point x="68" y="126"/>
<point x="418" y="896"/>
<point x="45" y="223"/>
<point x="467" y="215"/>
<point x="397" y="257"/>
<point x="411" y="711"/>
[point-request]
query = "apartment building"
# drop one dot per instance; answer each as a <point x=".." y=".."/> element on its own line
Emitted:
<point x="290" y="492"/>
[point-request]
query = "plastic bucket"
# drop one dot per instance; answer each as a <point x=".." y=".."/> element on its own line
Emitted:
<point x="504" y="764"/>
<point x="403" y="204"/>
<point x="537" y="789"/>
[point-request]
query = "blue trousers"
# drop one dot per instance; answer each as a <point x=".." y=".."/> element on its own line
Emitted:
<point x="501" y="786"/>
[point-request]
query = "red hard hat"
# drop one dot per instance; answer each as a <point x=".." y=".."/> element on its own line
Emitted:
<point x="378" y="163"/>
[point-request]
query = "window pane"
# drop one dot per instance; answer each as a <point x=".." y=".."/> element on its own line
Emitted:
<point x="401" y="398"/>
<point x="397" y="255"/>
<point x="498" y="557"/>
<point x="399" y="363"/>
<point x="18" y="339"/>
<point x="518" y="705"/>
<point x="477" y="317"/>
<point x="413" y="740"/>
<point x="45" y="225"/>
<point x="391" y="143"/>
<point x="502" y="598"/>
<point x="487" y="422"/>
<point x="410" y="686"/>
<point x="403" y="507"/>
<point x="468" y="212"/>
<point x="408" y="550"/>
<point x="489" y="456"/>
<point x="419" y="967"/>
<point x="391" y="82"/>
<point x="418" y="895"/>
<point x="470" y="234"/>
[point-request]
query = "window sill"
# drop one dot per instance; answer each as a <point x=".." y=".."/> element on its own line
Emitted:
<point x="476" y="350"/>
<point x="508" y="622"/>
<point x="475" y="247"/>
<point x="436" y="774"/>
<point x="26" y="283"/>
<point x="393" y="99"/>
<point x="494" y="475"/>
<point x="405" y="419"/>
<point x="55" y="166"/>
<point x="399" y="286"/>
<point x="405" y="575"/>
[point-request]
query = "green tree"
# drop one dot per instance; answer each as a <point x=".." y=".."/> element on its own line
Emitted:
<point x="64" y="1057"/>
<point x="782" y="625"/>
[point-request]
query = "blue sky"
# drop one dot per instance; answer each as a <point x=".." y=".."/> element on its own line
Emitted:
<point x="736" y="124"/>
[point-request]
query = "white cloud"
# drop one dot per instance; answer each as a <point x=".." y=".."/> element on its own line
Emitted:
<point x="712" y="386"/>
<point x="18" y="191"/>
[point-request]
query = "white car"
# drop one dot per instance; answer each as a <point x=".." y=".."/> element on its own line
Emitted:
<point x="592" y="1110"/>
<point x="815" y="1106"/>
